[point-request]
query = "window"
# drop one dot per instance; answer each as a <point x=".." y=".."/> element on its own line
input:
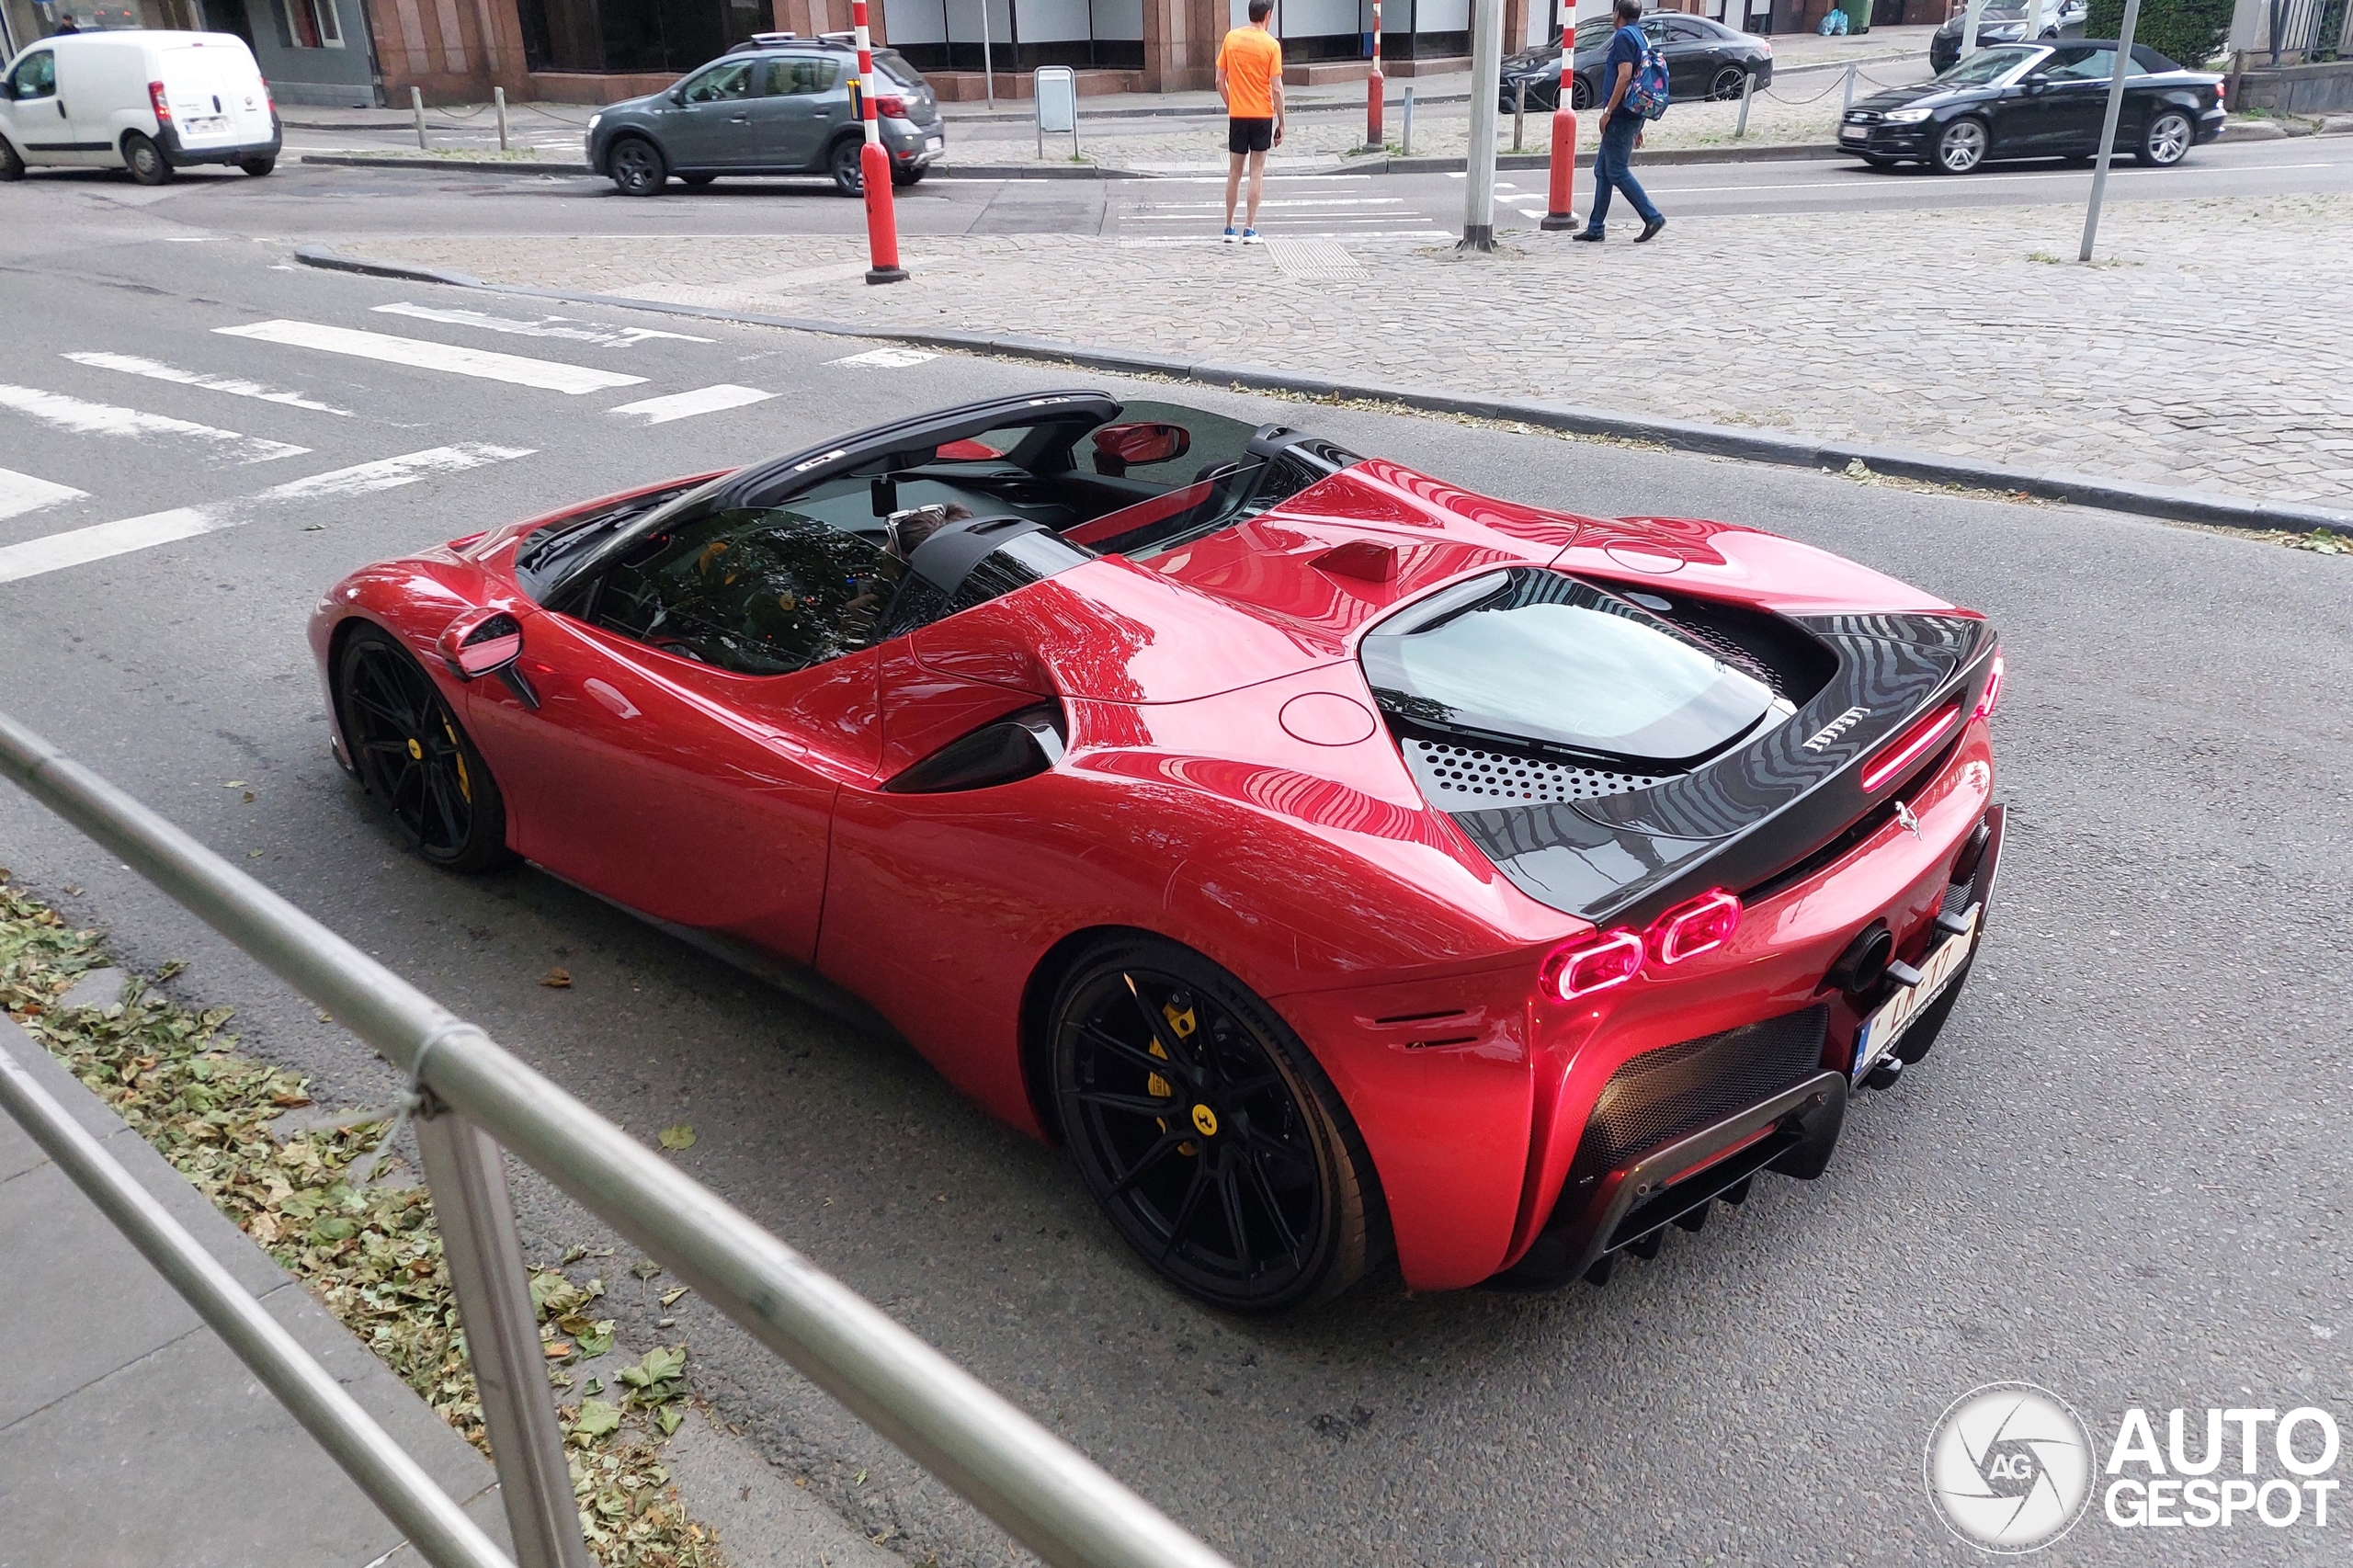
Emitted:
<point x="801" y="75"/>
<point x="2080" y="65"/>
<point x="720" y="83"/>
<point x="893" y="67"/>
<point x="759" y="591"/>
<point x="310" y="24"/>
<point x="36" y="75"/>
<point x="1683" y="30"/>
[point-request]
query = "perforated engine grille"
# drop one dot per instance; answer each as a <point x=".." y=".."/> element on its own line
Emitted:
<point x="1459" y="777"/>
<point x="1664" y="1094"/>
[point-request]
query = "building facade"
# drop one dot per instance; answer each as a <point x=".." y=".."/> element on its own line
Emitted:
<point x="310" y="52"/>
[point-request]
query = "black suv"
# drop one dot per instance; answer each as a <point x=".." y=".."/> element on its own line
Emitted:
<point x="773" y="104"/>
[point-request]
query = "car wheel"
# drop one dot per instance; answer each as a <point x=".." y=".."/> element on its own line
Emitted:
<point x="637" y="167"/>
<point x="2167" y="140"/>
<point x="257" y="167"/>
<point x="1207" y="1133"/>
<point x="414" y="758"/>
<point x="695" y="181"/>
<point x="842" y="163"/>
<point x="903" y="179"/>
<point x="1580" y="95"/>
<point x="145" y="160"/>
<point x="1728" y="82"/>
<point x="1961" y="146"/>
<point x="11" y="166"/>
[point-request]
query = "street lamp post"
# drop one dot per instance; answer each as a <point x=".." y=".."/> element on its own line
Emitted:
<point x="1486" y="91"/>
<point x="2107" y="125"/>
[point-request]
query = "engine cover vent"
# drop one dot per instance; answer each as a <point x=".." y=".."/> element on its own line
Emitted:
<point x="1458" y="778"/>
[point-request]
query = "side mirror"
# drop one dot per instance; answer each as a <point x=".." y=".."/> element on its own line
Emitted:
<point x="1117" y="446"/>
<point x="481" y="642"/>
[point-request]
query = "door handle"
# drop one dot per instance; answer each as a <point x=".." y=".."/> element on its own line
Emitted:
<point x="60" y="109"/>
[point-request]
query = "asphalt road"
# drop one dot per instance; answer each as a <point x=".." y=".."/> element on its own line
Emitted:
<point x="2121" y="1175"/>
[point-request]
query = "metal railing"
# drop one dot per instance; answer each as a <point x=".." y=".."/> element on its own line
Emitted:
<point x="2294" y="31"/>
<point x="476" y="1099"/>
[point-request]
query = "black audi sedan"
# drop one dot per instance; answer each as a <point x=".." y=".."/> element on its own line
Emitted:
<point x="1704" y="59"/>
<point x="2006" y="21"/>
<point x="2037" y="100"/>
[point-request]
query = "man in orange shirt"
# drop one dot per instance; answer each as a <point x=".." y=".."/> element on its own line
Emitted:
<point x="1250" y="80"/>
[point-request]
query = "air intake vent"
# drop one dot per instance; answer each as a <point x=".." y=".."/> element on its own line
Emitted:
<point x="1457" y="778"/>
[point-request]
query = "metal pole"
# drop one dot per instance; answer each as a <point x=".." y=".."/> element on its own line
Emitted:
<point x="1041" y="1492"/>
<point x="1969" y="28"/>
<point x="499" y="96"/>
<point x="1519" y="116"/>
<point x="416" y="108"/>
<point x="988" y="67"/>
<point x="2033" y="21"/>
<point x="1405" y="131"/>
<point x="380" y="1466"/>
<point x="1849" y="102"/>
<point x="2108" y="127"/>
<point x="1487" y="86"/>
<point x="1374" y="88"/>
<point x="1747" y="86"/>
<point x="476" y="1214"/>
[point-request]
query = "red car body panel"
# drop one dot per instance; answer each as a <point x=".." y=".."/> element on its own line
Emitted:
<point x="1228" y="785"/>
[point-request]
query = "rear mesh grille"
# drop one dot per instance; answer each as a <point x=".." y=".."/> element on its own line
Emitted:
<point x="1457" y="777"/>
<point x="1665" y="1094"/>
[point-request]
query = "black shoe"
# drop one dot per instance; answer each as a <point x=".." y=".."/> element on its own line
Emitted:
<point x="1593" y="234"/>
<point x="1650" y="230"/>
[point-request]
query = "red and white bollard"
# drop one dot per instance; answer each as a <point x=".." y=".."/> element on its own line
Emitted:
<point x="1373" y="88"/>
<point x="1565" y="139"/>
<point x="874" y="167"/>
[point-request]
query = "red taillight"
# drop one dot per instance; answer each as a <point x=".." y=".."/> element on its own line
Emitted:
<point x="155" y="96"/>
<point x="891" y="106"/>
<point x="1694" y="926"/>
<point x="1908" y="749"/>
<point x="2218" y="95"/>
<point x="1991" y="698"/>
<point x="1592" y="964"/>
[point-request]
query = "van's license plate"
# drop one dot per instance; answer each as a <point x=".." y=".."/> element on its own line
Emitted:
<point x="1883" y="1028"/>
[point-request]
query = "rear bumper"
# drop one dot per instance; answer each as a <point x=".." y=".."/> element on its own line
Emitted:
<point x="167" y="141"/>
<point x="911" y="145"/>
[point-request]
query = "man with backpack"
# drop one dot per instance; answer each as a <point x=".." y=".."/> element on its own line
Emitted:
<point x="1636" y="84"/>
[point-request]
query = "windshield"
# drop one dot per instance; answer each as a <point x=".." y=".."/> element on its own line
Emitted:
<point x="1985" y="66"/>
<point x="1542" y="656"/>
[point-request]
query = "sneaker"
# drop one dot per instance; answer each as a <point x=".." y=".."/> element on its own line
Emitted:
<point x="1650" y="230"/>
<point x="1249" y="236"/>
<point x="1229" y="235"/>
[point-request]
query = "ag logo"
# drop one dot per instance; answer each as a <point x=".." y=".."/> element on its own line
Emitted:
<point x="2009" y="1468"/>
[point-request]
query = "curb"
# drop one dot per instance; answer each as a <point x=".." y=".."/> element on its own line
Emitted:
<point x="548" y="167"/>
<point x="1676" y="435"/>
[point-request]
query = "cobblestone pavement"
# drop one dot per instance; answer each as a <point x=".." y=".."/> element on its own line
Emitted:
<point x="2187" y="357"/>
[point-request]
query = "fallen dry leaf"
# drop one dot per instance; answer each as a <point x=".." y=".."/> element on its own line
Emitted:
<point x="557" y="980"/>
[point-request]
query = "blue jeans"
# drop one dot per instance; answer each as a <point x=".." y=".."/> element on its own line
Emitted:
<point x="1613" y="165"/>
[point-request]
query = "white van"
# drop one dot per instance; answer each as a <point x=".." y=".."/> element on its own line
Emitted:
<point x="146" y="101"/>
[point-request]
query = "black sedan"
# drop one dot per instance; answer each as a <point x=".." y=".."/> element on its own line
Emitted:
<point x="2006" y="21"/>
<point x="2038" y="100"/>
<point x="1704" y="59"/>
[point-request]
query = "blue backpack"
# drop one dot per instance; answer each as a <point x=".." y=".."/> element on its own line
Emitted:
<point x="1646" y="94"/>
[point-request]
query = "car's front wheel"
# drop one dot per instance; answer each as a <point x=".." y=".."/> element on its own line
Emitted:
<point x="415" y="758"/>
<point x="1961" y="146"/>
<point x="842" y="165"/>
<point x="1210" y="1136"/>
<point x="11" y="166"/>
<point x="145" y="160"/>
<point x="637" y="167"/>
<point x="2167" y="140"/>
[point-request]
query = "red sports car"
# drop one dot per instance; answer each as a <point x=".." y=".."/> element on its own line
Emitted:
<point x="1335" y="861"/>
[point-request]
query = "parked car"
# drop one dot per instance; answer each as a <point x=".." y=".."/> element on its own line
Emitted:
<point x="150" y="101"/>
<point x="2004" y="21"/>
<point x="2042" y="100"/>
<point x="1704" y="59"/>
<point x="774" y="104"/>
<point x="1334" y="861"/>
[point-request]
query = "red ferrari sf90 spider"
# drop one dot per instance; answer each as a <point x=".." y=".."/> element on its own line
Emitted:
<point x="1334" y="861"/>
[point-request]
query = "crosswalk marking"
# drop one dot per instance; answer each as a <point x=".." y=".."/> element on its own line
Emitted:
<point x="79" y="547"/>
<point x="885" y="359"/>
<point x="21" y="492"/>
<point x="545" y="327"/>
<point x="132" y="365"/>
<point x="686" y="404"/>
<point x="86" y="418"/>
<point x="418" y="353"/>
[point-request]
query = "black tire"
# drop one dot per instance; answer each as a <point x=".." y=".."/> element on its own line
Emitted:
<point x="1580" y="95"/>
<point x="2167" y="139"/>
<point x="1961" y="146"/>
<point x="841" y="162"/>
<point x="1262" y="1197"/>
<point x="903" y="179"/>
<point x="636" y="166"/>
<point x="415" y="757"/>
<point x="145" y="161"/>
<point x="257" y="167"/>
<point x="1728" y="84"/>
<point x="695" y="182"/>
<point x="12" y="167"/>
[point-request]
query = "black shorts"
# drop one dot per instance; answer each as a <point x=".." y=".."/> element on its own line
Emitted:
<point x="1249" y="135"/>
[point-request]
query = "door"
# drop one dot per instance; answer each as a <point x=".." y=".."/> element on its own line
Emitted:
<point x="1686" y="46"/>
<point x="712" y="127"/>
<point x="792" y="117"/>
<point x="2058" y="109"/>
<point x="202" y="92"/>
<point x="37" y="117"/>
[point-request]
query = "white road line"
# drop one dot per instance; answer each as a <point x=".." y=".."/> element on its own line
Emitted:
<point x="1302" y="234"/>
<point x="21" y="492"/>
<point x="132" y="365"/>
<point x="885" y="359"/>
<point x="420" y="354"/>
<point x="79" y="547"/>
<point x="1220" y="179"/>
<point x="1270" y="206"/>
<point x="687" y="404"/>
<point x="542" y="326"/>
<point x="84" y="418"/>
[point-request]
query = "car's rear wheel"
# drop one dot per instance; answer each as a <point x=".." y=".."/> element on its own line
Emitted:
<point x="2167" y="140"/>
<point x="903" y="179"/>
<point x="1580" y="95"/>
<point x="637" y="166"/>
<point x="1961" y="146"/>
<point x="257" y="167"/>
<point x="841" y="163"/>
<point x="1728" y="82"/>
<point x="145" y="160"/>
<point x="415" y="758"/>
<point x="1210" y="1136"/>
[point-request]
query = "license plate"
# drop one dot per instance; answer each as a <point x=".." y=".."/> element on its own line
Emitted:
<point x="933" y="143"/>
<point x="1883" y="1028"/>
<point x="1853" y="133"/>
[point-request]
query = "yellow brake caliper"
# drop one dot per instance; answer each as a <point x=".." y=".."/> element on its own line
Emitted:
<point x="1181" y="1025"/>
<point x="465" y="785"/>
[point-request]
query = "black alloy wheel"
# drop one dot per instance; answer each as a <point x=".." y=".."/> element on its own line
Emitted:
<point x="637" y="166"/>
<point x="11" y="166"/>
<point x="1961" y="146"/>
<point x="1728" y="84"/>
<point x="842" y="163"/>
<point x="414" y="758"/>
<point x="257" y="167"/>
<point x="2167" y="140"/>
<point x="1207" y="1134"/>
<point x="145" y="160"/>
<point x="1580" y="95"/>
